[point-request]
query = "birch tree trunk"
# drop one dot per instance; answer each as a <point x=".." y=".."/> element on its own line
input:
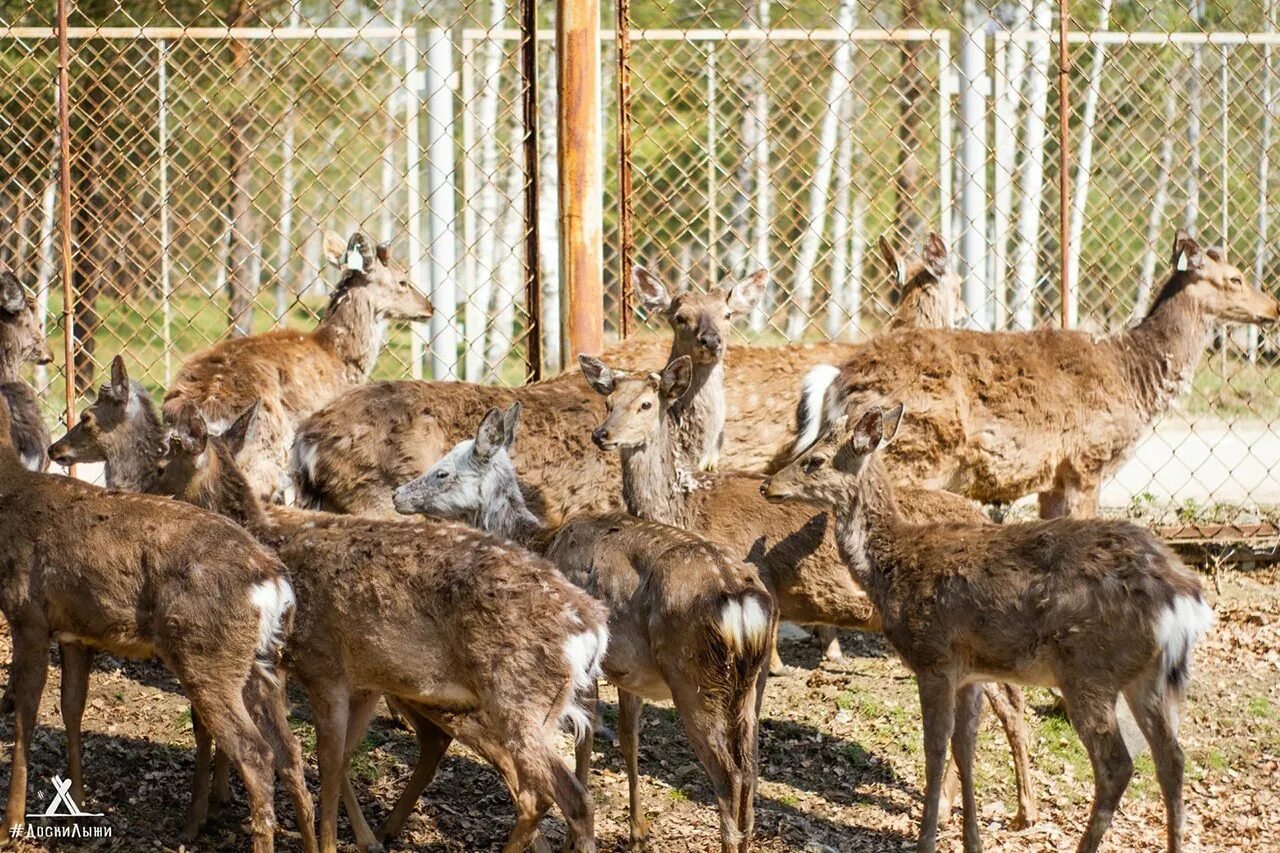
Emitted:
<point x="390" y="132"/>
<point x="908" y="224"/>
<point x="841" y="282"/>
<point x="547" y="231"/>
<point x="288" y="146"/>
<point x="1026" y="254"/>
<point x="1159" y="201"/>
<point x="1011" y="65"/>
<point x="1264" y="172"/>
<point x="762" y="183"/>
<point x="1195" y="105"/>
<point x="509" y="291"/>
<point x="44" y="268"/>
<point x="820" y="189"/>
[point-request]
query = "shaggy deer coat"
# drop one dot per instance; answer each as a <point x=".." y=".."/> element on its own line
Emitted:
<point x="1095" y="608"/>
<point x="686" y="623"/>
<point x="144" y="577"/>
<point x="998" y="415"/>
<point x="295" y="373"/>
<point x="490" y="643"/>
<point x="22" y="340"/>
<point x="353" y="454"/>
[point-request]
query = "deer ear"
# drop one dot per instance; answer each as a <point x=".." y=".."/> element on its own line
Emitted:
<point x="383" y="253"/>
<point x="599" y="375"/>
<point x="1217" y="253"/>
<point x="868" y="433"/>
<point x="935" y="254"/>
<point x="896" y="265"/>
<point x="119" y="379"/>
<point x="190" y="431"/>
<point x="675" y="378"/>
<point x="744" y="295"/>
<point x="359" y="256"/>
<point x="892" y="420"/>
<point x="241" y="432"/>
<point x="491" y="435"/>
<point x="12" y="297"/>
<point x="334" y="247"/>
<point x="1186" y="253"/>
<point x="651" y="292"/>
<point x="509" y="420"/>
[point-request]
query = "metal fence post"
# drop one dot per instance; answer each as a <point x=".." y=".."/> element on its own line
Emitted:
<point x="973" y="162"/>
<point x="64" y="189"/>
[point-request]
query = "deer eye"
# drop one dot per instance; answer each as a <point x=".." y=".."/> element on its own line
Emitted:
<point x="646" y="406"/>
<point x="442" y="475"/>
<point x="813" y="464"/>
<point x="728" y="315"/>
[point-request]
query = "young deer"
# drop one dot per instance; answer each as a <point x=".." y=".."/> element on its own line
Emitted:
<point x="758" y="378"/>
<point x="792" y="545"/>
<point x="296" y="373"/>
<point x="22" y="340"/>
<point x="352" y="455"/>
<point x="1049" y="411"/>
<point x="484" y="641"/>
<point x="145" y="577"/>
<point x="1095" y="608"/>
<point x="686" y="623"/>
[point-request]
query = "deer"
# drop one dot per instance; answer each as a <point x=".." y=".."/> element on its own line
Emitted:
<point x="757" y="377"/>
<point x="687" y="623"/>
<point x="296" y="373"/>
<point x="486" y="642"/>
<point x="792" y="545"/>
<point x="144" y="577"/>
<point x="22" y="340"/>
<point x="1051" y="411"/>
<point x="1099" y="609"/>
<point x="354" y="453"/>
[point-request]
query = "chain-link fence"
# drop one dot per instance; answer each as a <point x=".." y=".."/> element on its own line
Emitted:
<point x="214" y="141"/>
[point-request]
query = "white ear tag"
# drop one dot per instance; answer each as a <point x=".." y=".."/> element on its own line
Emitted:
<point x="355" y="260"/>
<point x="1182" y="261"/>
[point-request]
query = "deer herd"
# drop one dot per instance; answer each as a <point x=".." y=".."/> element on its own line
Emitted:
<point x="480" y="556"/>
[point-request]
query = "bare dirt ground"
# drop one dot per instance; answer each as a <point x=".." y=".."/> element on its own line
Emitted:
<point x="841" y="763"/>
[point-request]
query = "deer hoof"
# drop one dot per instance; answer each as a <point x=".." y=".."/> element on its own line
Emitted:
<point x="639" y="843"/>
<point x="374" y="847"/>
<point x="1023" y="820"/>
<point x="783" y="670"/>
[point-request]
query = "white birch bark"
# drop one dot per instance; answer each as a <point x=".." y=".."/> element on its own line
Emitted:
<point x="1026" y="257"/>
<point x="1159" y="201"/>
<point x="1011" y="65"/>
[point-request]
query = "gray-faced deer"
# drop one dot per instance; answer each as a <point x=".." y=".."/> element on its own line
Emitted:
<point x="758" y="378"/>
<point x="488" y="643"/>
<point x="295" y="373"/>
<point x="1049" y="411"/>
<point x="145" y="577"/>
<point x="351" y="456"/>
<point x="1098" y="609"/>
<point x="686" y="623"/>
<point x="793" y="545"/>
<point x="22" y="340"/>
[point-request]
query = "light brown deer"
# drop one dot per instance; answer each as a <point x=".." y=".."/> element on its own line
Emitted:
<point x="793" y="545"/>
<point x="999" y="415"/>
<point x="686" y="623"/>
<point x="351" y="456"/>
<point x="144" y="577"/>
<point x="295" y="373"/>
<point x="22" y="340"/>
<point x="1098" y="609"/>
<point x="487" y="642"/>
<point x="757" y="379"/>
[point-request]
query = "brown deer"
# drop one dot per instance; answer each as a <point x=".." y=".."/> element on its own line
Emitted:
<point x="490" y="644"/>
<point x="296" y="373"/>
<point x="352" y="455"/>
<point x="1098" y="609"/>
<point x="22" y="340"/>
<point x="758" y="377"/>
<point x="686" y="623"/>
<point x="792" y="545"/>
<point x="144" y="577"/>
<point x="999" y="415"/>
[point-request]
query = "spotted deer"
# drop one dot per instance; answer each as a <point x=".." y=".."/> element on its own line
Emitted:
<point x="353" y="454"/>
<point x="793" y="545"/>
<point x="22" y="340"/>
<point x="760" y="382"/>
<point x="1098" y="609"/>
<point x="484" y="641"/>
<point x="144" y="577"/>
<point x="296" y="373"/>
<point x="686" y="623"/>
<point x="1051" y="411"/>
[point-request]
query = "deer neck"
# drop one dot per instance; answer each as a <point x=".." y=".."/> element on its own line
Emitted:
<point x="651" y="478"/>
<point x="132" y="451"/>
<point x="11" y="357"/>
<point x="352" y="328"/>
<point x="504" y="513"/>
<point x="866" y="525"/>
<point x="700" y="415"/>
<point x="224" y="490"/>
<point x="1160" y="353"/>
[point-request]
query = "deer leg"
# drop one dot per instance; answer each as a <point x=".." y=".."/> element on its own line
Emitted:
<point x="709" y="729"/>
<point x="1157" y="717"/>
<point x="329" y="707"/>
<point x="963" y="740"/>
<point x="777" y="668"/>
<point x="221" y="781"/>
<point x="1093" y="716"/>
<point x="830" y="641"/>
<point x="360" y="712"/>
<point x="270" y="710"/>
<point x="433" y="742"/>
<point x="198" y="809"/>
<point x="1009" y="705"/>
<point x="937" y="707"/>
<point x="630" y="712"/>
<point x="27" y="674"/>
<point x="76" y="661"/>
<point x="583" y="748"/>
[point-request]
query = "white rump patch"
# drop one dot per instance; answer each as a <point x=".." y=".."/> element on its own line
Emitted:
<point x="304" y="458"/>
<point x="743" y="623"/>
<point x="1180" y="626"/>
<point x="274" y="599"/>
<point x="584" y="651"/>
<point x="809" y="417"/>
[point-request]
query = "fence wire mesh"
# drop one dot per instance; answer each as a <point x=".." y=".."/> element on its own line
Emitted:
<point x="207" y="163"/>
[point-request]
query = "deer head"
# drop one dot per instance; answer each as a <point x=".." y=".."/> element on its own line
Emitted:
<point x="925" y="279"/>
<point x="454" y="487"/>
<point x="700" y="321"/>
<point x="634" y="404"/>
<point x="380" y="278"/>
<point x="122" y="414"/>
<point x="1219" y="288"/>
<point x="191" y="468"/>
<point x="830" y="471"/>
<point x="21" y="335"/>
